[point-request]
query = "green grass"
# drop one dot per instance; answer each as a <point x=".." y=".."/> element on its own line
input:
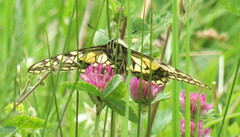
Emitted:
<point x="23" y="41"/>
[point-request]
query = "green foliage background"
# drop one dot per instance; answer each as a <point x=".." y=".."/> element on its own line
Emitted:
<point x="23" y="42"/>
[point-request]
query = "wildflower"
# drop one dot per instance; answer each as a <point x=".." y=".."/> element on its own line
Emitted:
<point x="98" y="76"/>
<point x="201" y="132"/>
<point x="135" y="90"/>
<point x="204" y="107"/>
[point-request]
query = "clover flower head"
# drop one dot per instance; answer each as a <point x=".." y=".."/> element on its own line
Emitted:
<point x="204" y="107"/>
<point x="135" y="90"/>
<point x="201" y="132"/>
<point x="98" y="76"/>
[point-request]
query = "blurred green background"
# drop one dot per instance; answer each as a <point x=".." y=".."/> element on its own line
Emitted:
<point x="214" y="51"/>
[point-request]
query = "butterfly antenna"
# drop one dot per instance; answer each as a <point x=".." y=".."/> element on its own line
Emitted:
<point x="97" y="29"/>
<point x="134" y="31"/>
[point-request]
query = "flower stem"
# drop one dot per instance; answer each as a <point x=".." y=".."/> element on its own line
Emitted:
<point x="99" y="108"/>
<point x="96" y="125"/>
<point x="141" y="118"/>
<point x="141" y="125"/>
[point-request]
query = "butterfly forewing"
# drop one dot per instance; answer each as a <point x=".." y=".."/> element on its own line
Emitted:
<point x="70" y="62"/>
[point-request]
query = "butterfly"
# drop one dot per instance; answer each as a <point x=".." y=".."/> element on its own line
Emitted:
<point x="106" y="54"/>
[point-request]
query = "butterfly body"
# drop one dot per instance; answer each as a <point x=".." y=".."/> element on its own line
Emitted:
<point x="107" y="54"/>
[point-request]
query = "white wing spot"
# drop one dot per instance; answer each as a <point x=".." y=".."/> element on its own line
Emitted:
<point x="74" y="53"/>
<point x="48" y="64"/>
<point x="69" y="61"/>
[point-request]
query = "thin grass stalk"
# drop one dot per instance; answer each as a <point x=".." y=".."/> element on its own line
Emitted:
<point x="71" y="119"/>
<point x="125" y="124"/>
<point x="215" y="94"/>
<point x="175" y="57"/>
<point x="150" y="75"/>
<point x="60" y="20"/>
<point x="30" y="25"/>
<point x="78" y="72"/>
<point x="213" y="122"/>
<point x="110" y="37"/>
<point x="16" y="55"/>
<point x="56" y="80"/>
<point x="139" y="129"/>
<point x="76" y="124"/>
<point x="6" y="43"/>
<point x="117" y="36"/>
<point x="108" y="20"/>
<point x="8" y="30"/>
<point x="36" y="104"/>
<point x="187" y="91"/>
<point x="113" y="114"/>
<point x="229" y="98"/>
<point x="52" y="80"/>
<point x="15" y="91"/>
<point x="197" y="117"/>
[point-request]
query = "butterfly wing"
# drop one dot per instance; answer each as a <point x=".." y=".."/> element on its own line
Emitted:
<point x="70" y="62"/>
<point x="161" y="72"/>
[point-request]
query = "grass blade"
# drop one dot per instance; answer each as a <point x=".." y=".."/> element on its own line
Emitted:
<point x="187" y="93"/>
<point x="175" y="63"/>
<point x="229" y="98"/>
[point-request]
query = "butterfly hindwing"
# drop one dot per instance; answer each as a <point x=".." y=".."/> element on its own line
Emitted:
<point x="161" y="72"/>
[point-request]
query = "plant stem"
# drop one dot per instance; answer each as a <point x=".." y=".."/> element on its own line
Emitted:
<point x="143" y="111"/>
<point x="96" y="125"/>
<point x="175" y="63"/>
<point x="105" y="122"/>
<point x="187" y="93"/>
<point x="197" y="116"/>
<point x="77" y="105"/>
<point x="141" y="76"/>
<point x="113" y="115"/>
<point x="150" y="76"/>
<point x="229" y="98"/>
<point x="32" y="89"/>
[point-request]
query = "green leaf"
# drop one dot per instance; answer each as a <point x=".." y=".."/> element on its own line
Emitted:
<point x="100" y="37"/>
<point x="232" y="6"/>
<point x="233" y="129"/>
<point x="22" y="121"/>
<point x="115" y="87"/>
<point x="137" y="26"/>
<point x="118" y="106"/>
<point x="6" y="131"/>
<point x="161" y="20"/>
<point x="161" y="96"/>
<point x="83" y="86"/>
